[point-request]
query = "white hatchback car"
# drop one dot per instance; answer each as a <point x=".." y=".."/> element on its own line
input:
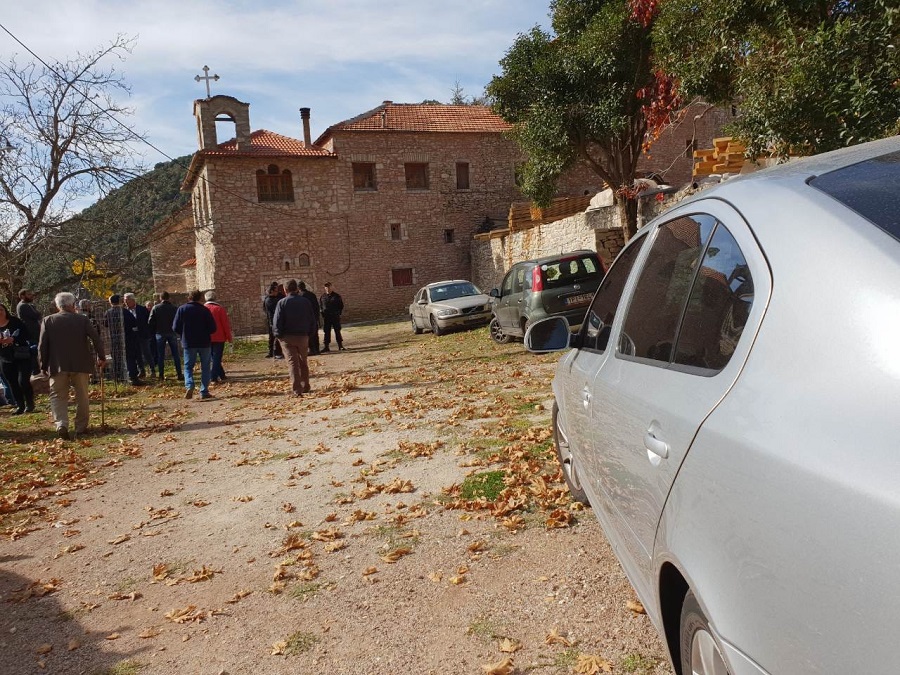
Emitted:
<point x="728" y="412"/>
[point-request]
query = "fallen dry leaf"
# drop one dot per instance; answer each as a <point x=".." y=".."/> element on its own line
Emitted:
<point x="150" y="632"/>
<point x="73" y="645"/>
<point x="113" y="636"/>
<point x="589" y="664"/>
<point x="160" y="571"/>
<point x="435" y="576"/>
<point x="504" y="667"/>
<point x="45" y="648"/>
<point x="369" y="570"/>
<point x="279" y="647"/>
<point x="635" y="607"/>
<point x="554" y="638"/>
<point x="396" y="554"/>
<point x="509" y="646"/>
<point x="243" y="498"/>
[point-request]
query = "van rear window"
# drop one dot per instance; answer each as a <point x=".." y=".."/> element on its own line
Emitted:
<point x="570" y="271"/>
<point x="867" y="188"/>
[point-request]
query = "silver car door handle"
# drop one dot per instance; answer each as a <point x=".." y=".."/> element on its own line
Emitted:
<point x="586" y="398"/>
<point x="656" y="446"/>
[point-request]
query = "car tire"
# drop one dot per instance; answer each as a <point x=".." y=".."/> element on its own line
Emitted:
<point x="497" y="334"/>
<point x="700" y="653"/>
<point x="435" y="329"/>
<point x="415" y="326"/>
<point x="567" y="460"/>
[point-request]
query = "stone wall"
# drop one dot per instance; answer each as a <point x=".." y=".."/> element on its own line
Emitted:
<point x="598" y="230"/>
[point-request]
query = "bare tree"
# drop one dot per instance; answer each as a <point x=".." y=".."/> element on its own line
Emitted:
<point x="60" y="125"/>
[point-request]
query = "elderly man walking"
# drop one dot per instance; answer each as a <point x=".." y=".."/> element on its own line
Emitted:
<point x="195" y="323"/>
<point x="64" y="354"/>
<point x="294" y="322"/>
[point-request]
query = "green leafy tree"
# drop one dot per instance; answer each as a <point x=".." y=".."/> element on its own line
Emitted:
<point x="808" y="75"/>
<point x="582" y="94"/>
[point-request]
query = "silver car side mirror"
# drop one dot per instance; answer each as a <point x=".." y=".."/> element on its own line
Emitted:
<point x="548" y="335"/>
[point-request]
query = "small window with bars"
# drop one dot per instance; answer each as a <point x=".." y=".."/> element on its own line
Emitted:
<point x="396" y="232"/>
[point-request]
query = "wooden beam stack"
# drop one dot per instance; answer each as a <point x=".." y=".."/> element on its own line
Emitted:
<point x="524" y="215"/>
<point x="726" y="156"/>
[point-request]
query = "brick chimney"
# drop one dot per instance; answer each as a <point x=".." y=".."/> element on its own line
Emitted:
<point x="304" y="115"/>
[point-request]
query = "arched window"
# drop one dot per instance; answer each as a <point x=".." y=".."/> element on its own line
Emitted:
<point x="303" y="260"/>
<point x="273" y="185"/>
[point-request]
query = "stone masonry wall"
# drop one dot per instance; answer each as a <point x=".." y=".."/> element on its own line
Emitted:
<point x="171" y="244"/>
<point x="598" y="230"/>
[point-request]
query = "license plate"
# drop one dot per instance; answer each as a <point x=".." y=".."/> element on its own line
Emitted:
<point x="580" y="299"/>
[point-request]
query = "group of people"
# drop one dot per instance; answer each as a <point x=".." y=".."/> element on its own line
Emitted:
<point x="293" y="317"/>
<point x="67" y="346"/>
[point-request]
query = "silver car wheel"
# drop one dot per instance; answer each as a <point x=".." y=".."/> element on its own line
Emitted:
<point x="705" y="656"/>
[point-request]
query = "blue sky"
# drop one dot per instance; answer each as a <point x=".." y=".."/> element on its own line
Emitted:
<point x="339" y="58"/>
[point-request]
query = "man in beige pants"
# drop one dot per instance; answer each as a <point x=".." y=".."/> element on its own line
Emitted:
<point x="64" y="354"/>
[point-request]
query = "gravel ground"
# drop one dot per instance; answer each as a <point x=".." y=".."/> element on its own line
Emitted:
<point x="257" y="531"/>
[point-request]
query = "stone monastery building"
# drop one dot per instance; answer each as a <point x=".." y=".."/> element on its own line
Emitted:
<point x="379" y="205"/>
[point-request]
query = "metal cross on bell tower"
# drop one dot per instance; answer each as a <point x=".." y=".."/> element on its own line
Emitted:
<point x="206" y="76"/>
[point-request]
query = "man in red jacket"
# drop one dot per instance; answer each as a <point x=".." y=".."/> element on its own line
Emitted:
<point x="220" y="337"/>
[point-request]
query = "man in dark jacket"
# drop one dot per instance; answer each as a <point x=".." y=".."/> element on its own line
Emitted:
<point x="195" y="323"/>
<point x="314" y="301"/>
<point x="295" y="321"/>
<point x="145" y="357"/>
<point x="124" y="345"/>
<point x="31" y="317"/>
<point x="273" y="295"/>
<point x="162" y="316"/>
<point x="332" y="306"/>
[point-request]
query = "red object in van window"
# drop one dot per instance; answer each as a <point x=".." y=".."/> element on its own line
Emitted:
<point x="537" y="278"/>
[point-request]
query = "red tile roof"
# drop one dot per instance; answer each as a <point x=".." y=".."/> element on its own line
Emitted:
<point x="438" y="118"/>
<point x="265" y="143"/>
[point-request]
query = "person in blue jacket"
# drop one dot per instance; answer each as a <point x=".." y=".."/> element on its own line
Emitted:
<point x="195" y="323"/>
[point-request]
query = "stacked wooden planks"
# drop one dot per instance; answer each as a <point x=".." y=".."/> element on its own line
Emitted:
<point x="726" y="156"/>
<point x="524" y="215"/>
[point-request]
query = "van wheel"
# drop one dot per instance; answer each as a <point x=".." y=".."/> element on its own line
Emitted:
<point x="435" y="329"/>
<point x="497" y="334"/>
<point x="700" y="654"/>
<point x="415" y="326"/>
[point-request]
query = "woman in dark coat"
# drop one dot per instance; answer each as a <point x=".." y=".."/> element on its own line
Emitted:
<point x="16" y="371"/>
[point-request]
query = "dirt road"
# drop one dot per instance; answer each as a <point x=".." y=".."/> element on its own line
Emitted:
<point x="405" y="517"/>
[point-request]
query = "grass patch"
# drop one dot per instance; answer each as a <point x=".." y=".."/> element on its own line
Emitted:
<point x="128" y="667"/>
<point x="566" y="658"/>
<point x="638" y="664"/>
<point x="305" y="591"/>
<point x="485" y="629"/>
<point x="486" y="485"/>
<point x="300" y="643"/>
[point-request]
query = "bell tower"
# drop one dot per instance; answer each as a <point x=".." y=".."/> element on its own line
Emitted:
<point x="220" y="108"/>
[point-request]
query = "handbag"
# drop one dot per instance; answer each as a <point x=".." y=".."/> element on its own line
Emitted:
<point x="21" y="352"/>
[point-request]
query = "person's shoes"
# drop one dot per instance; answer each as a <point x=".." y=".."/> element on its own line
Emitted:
<point x="180" y="377"/>
<point x="269" y="356"/>
<point x="160" y="376"/>
<point x="141" y="373"/>
<point x="325" y="349"/>
<point x="222" y="378"/>
<point x="29" y="408"/>
<point x="189" y="393"/>
<point x="205" y="396"/>
<point x="342" y="348"/>
<point x="63" y="433"/>
<point x="306" y="388"/>
<point x="279" y="357"/>
<point x="19" y="411"/>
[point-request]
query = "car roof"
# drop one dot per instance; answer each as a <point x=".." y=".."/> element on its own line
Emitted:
<point x="448" y="281"/>
<point x="558" y="256"/>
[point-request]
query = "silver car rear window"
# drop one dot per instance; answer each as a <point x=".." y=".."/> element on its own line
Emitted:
<point x="868" y="188"/>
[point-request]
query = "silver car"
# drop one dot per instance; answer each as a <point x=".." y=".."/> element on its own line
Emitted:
<point x="445" y="305"/>
<point x="727" y="409"/>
